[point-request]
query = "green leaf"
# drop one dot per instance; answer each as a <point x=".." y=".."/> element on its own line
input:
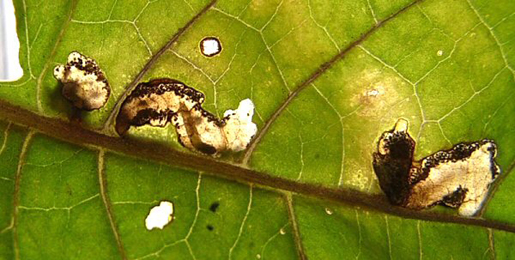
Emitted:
<point x="326" y="77"/>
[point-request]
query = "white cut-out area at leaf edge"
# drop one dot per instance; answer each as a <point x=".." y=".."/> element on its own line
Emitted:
<point x="10" y="68"/>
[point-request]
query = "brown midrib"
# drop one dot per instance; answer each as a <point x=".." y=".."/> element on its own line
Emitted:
<point x="76" y="134"/>
<point x="316" y="74"/>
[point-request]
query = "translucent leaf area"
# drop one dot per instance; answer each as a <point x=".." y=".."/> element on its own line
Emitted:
<point x="326" y="78"/>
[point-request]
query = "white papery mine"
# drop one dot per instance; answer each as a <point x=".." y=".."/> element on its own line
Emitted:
<point x="461" y="176"/>
<point x="84" y="84"/>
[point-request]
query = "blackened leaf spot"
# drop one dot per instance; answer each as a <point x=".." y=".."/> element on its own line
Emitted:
<point x="459" y="177"/>
<point x="214" y="206"/>
<point x="455" y="199"/>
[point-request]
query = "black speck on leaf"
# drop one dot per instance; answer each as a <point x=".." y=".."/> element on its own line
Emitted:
<point x="214" y="206"/>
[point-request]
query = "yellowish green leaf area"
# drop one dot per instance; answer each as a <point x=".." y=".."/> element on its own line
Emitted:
<point x="448" y="67"/>
<point x="453" y="79"/>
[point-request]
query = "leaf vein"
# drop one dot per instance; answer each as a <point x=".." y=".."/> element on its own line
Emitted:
<point x="240" y="231"/>
<point x="295" y="227"/>
<point x="102" y="181"/>
<point x="43" y="73"/>
<point x="316" y="74"/>
<point x="490" y="30"/>
<point x="109" y="124"/>
<point x="76" y="134"/>
<point x="16" y="196"/>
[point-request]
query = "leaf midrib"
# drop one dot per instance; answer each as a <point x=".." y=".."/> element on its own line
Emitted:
<point x="76" y="134"/>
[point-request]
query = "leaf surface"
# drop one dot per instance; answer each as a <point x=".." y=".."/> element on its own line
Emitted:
<point x="326" y="77"/>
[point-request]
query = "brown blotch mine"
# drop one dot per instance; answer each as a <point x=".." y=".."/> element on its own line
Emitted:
<point x="456" y="177"/>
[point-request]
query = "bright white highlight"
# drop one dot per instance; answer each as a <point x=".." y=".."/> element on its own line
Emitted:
<point x="159" y="216"/>
<point x="240" y="129"/>
<point x="84" y="84"/>
<point x="210" y="46"/>
<point x="10" y="68"/>
<point x="474" y="174"/>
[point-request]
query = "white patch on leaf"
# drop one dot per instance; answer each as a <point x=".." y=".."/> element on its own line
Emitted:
<point x="239" y="128"/>
<point x="84" y="84"/>
<point x="160" y="216"/>
<point x="202" y="133"/>
<point x="473" y="175"/>
<point x="161" y="101"/>
<point x="210" y="46"/>
<point x="459" y="177"/>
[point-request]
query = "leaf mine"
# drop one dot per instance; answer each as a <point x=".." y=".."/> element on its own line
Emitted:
<point x="161" y="101"/>
<point x="160" y="216"/>
<point x="84" y="83"/>
<point x="459" y="177"/>
<point x="210" y="46"/>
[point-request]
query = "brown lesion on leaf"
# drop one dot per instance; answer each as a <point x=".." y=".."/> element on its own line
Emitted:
<point x="162" y="101"/>
<point x="84" y="84"/>
<point x="459" y="177"/>
<point x="154" y="103"/>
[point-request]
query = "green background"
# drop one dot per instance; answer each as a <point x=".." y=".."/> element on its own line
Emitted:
<point x="351" y="68"/>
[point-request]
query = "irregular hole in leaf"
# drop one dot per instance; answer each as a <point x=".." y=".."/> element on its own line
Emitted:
<point x="210" y="46"/>
<point x="84" y="83"/>
<point x="161" y="101"/>
<point x="459" y="177"/>
<point x="160" y="216"/>
<point x="10" y="69"/>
